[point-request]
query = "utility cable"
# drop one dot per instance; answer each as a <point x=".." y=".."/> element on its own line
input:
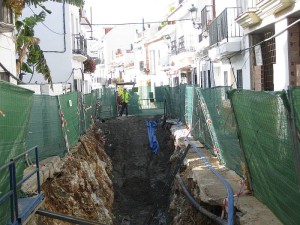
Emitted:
<point x="221" y="178"/>
<point x="46" y="25"/>
<point x="267" y="39"/>
<point x="135" y="23"/>
<point x="197" y="205"/>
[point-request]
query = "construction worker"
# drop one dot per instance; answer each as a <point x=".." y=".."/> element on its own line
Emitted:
<point x="125" y="100"/>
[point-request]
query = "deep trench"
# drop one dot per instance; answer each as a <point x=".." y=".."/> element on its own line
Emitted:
<point x="140" y="177"/>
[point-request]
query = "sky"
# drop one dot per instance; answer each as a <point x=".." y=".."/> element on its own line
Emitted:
<point x="123" y="11"/>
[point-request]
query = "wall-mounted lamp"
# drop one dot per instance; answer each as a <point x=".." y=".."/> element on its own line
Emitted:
<point x="194" y="11"/>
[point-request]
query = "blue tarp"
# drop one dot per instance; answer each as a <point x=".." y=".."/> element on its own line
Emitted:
<point x="151" y="127"/>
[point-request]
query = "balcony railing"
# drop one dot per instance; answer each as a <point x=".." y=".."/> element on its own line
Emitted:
<point x="206" y="16"/>
<point x="245" y="5"/>
<point x="186" y="43"/>
<point x="225" y="26"/>
<point x="6" y="15"/>
<point x="79" y="44"/>
<point x="173" y="47"/>
<point x="99" y="61"/>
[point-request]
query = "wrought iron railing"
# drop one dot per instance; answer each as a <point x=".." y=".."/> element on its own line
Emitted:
<point x="6" y="15"/>
<point x="224" y="26"/>
<point x="186" y="43"/>
<point x="173" y="47"/>
<point x="244" y="5"/>
<point x="206" y="16"/>
<point x="79" y="44"/>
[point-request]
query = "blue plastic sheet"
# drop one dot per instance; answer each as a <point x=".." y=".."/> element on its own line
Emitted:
<point x="151" y="127"/>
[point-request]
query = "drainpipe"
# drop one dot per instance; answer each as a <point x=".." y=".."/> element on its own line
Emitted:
<point x="214" y="8"/>
<point x="64" y="30"/>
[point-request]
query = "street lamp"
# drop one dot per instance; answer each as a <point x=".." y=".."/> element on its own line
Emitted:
<point x="194" y="11"/>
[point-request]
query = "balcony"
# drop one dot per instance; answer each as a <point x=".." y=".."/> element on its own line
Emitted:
<point x="249" y="14"/>
<point x="79" y="47"/>
<point x="268" y="7"/>
<point x="206" y="17"/>
<point x="6" y="19"/>
<point x="186" y="43"/>
<point x="98" y="61"/>
<point x="173" y="47"/>
<point x="227" y="33"/>
<point x="224" y="26"/>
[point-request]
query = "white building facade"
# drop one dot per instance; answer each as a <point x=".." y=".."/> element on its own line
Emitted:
<point x="7" y="46"/>
<point x="65" y="43"/>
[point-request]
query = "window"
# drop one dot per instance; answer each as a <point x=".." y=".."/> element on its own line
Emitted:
<point x="204" y="79"/>
<point x="158" y="56"/>
<point x="239" y="74"/>
<point x="225" y="78"/>
<point x="173" y="47"/>
<point x="4" y="76"/>
<point x="209" y="79"/>
<point x="5" y="14"/>
<point x="141" y="65"/>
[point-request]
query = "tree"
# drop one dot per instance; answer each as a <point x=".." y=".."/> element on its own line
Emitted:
<point x="27" y="47"/>
<point x="89" y="65"/>
<point x="18" y="5"/>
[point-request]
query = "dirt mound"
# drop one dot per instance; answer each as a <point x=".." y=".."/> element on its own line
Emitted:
<point x="83" y="188"/>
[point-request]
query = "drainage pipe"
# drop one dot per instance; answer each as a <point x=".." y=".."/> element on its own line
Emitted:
<point x="198" y="206"/>
<point x="222" y="179"/>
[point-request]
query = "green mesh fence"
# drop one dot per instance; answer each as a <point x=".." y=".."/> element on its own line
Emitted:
<point x="159" y="95"/>
<point x="108" y="105"/>
<point x="266" y="142"/>
<point x="199" y="126"/>
<point x="294" y="98"/>
<point x="175" y="100"/>
<point x="15" y="105"/>
<point x="70" y="110"/>
<point x="88" y="98"/>
<point x="95" y="94"/>
<point x="189" y="105"/>
<point x="221" y="124"/>
<point x="45" y="128"/>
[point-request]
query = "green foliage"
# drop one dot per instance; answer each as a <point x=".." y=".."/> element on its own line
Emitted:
<point x="89" y="65"/>
<point x="78" y="3"/>
<point x="172" y="8"/>
<point x="28" y="49"/>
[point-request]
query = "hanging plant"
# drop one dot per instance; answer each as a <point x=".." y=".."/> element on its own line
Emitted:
<point x="89" y="65"/>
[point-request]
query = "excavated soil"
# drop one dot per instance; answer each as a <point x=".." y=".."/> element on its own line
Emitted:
<point x="83" y="188"/>
<point x="140" y="178"/>
<point x="113" y="177"/>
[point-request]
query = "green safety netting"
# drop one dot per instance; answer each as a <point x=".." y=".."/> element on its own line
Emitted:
<point x="107" y="103"/>
<point x="89" y="117"/>
<point x="199" y="126"/>
<point x="71" y="112"/>
<point x="267" y="144"/>
<point x="189" y="105"/>
<point x="175" y="100"/>
<point x="294" y="98"/>
<point x="221" y="124"/>
<point x="15" y="105"/>
<point x="45" y="128"/>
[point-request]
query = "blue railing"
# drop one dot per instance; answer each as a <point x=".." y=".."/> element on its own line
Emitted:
<point x="21" y="208"/>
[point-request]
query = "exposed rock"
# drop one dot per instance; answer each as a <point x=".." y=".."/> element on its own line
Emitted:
<point x="83" y="188"/>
